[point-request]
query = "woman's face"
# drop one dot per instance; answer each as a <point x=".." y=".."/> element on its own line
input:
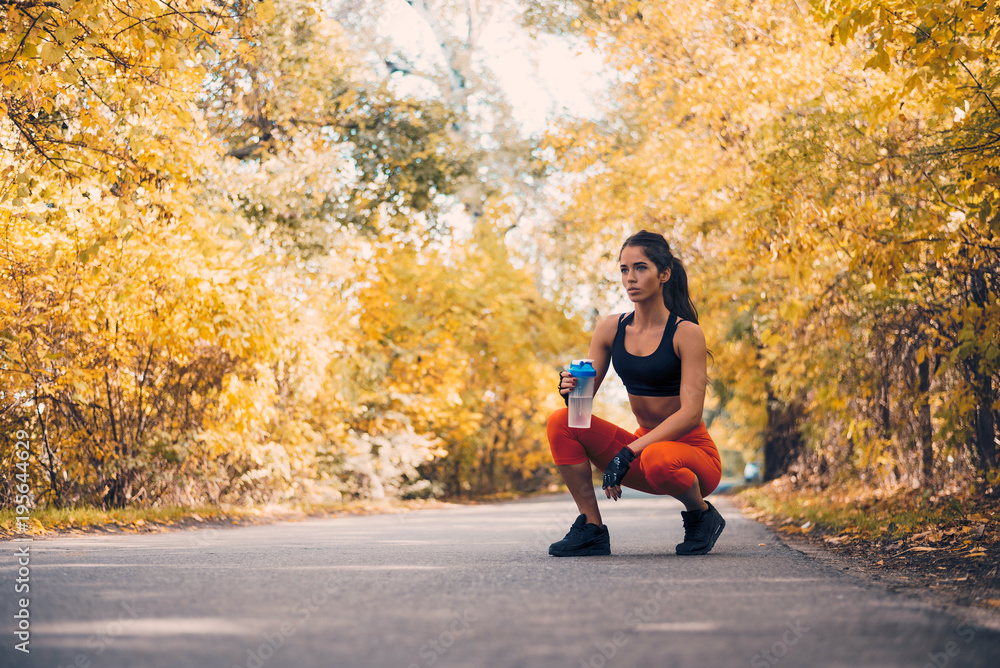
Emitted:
<point x="639" y="275"/>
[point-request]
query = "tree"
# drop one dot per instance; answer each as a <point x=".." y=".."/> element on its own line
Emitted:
<point x="836" y="205"/>
<point x="132" y="333"/>
<point x="191" y="196"/>
<point x="461" y="347"/>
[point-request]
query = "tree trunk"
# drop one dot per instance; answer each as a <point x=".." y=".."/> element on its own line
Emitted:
<point x="982" y="384"/>
<point x="884" y="412"/>
<point x="985" y="423"/>
<point x="782" y="440"/>
<point x="924" y="421"/>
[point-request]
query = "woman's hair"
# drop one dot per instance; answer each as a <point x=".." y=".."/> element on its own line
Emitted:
<point x="675" y="290"/>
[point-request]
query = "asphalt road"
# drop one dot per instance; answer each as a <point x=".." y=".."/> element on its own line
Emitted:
<point x="468" y="586"/>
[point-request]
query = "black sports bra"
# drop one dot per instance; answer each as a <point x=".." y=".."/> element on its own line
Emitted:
<point x="656" y="375"/>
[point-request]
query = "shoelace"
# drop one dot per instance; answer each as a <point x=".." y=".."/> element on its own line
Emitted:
<point x="574" y="531"/>
<point x="691" y="526"/>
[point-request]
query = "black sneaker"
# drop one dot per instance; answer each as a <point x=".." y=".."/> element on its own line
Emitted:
<point x="701" y="529"/>
<point x="583" y="540"/>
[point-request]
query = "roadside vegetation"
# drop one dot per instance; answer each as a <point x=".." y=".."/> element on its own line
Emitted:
<point x="911" y="538"/>
<point x="88" y="519"/>
<point x="256" y="254"/>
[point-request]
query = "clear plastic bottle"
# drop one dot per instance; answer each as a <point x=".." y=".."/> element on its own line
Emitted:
<point x="581" y="399"/>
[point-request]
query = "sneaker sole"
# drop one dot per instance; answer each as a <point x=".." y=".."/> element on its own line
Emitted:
<point x="711" y="542"/>
<point x="593" y="551"/>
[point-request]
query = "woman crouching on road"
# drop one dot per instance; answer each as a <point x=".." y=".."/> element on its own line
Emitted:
<point x="659" y="352"/>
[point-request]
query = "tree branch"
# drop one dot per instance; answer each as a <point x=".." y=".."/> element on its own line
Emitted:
<point x="941" y="194"/>
<point x="455" y="78"/>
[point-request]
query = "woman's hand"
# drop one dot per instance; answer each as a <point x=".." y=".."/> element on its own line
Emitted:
<point x="615" y="471"/>
<point x="566" y="385"/>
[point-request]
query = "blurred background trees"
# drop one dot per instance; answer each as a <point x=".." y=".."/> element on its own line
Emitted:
<point x="282" y="249"/>
<point x="830" y="173"/>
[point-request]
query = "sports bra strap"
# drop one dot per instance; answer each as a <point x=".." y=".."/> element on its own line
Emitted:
<point x="655" y="375"/>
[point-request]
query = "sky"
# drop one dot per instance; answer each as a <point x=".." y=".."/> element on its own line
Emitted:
<point x="545" y="78"/>
<point x="542" y="77"/>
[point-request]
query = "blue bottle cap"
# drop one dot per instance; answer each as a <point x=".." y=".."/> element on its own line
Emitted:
<point x="582" y="369"/>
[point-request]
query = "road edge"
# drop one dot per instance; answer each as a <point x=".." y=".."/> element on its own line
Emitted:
<point x="971" y="615"/>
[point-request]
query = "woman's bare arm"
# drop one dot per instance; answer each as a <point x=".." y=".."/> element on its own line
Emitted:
<point x="600" y="351"/>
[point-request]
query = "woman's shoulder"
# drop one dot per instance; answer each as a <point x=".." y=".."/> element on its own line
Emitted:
<point x="687" y="325"/>
<point x="612" y="321"/>
<point x="688" y="333"/>
<point x="614" y="317"/>
<point x="607" y="327"/>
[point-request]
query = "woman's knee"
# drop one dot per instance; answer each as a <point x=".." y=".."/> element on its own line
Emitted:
<point x="557" y="428"/>
<point x="671" y="480"/>
<point x="559" y="419"/>
<point x="665" y="470"/>
<point x="565" y="446"/>
<point x="558" y="425"/>
<point x="659" y="471"/>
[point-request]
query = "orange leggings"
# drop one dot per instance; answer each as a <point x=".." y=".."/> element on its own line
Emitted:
<point x="666" y="467"/>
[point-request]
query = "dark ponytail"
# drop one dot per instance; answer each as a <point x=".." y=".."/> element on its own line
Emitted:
<point x="675" y="290"/>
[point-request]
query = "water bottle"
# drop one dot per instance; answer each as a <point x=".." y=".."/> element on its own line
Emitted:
<point x="581" y="399"/>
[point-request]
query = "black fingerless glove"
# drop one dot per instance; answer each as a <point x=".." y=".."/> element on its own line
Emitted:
<point x="618" y="468"/>
<point x="559" y="389"/>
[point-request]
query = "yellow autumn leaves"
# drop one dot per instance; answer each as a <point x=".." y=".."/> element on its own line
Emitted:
<point x="227" y="275"/>
<point x="221" y="275"/>
<point x="829" y="171"/>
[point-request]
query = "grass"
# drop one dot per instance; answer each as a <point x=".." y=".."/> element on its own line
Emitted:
<point x="43" y="520"/>
<point x="46" y="520"/>
<point x="868" y="513"/>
